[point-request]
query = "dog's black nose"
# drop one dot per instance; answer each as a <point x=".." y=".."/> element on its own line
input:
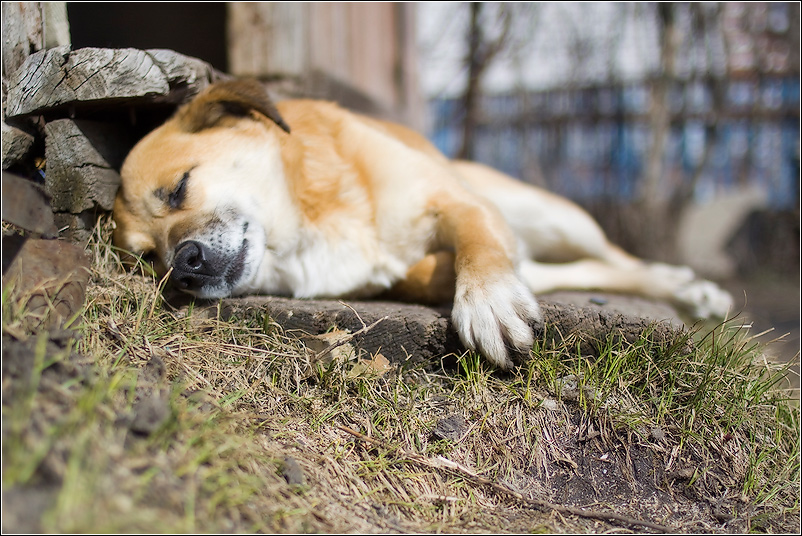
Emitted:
<point x="193" y="266"/>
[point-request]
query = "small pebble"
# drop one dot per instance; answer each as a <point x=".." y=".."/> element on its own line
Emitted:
<point x="292" y="472"/>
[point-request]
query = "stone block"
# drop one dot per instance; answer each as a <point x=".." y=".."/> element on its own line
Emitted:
<point x="26" y="205"/>
<point x="47" y="280"/>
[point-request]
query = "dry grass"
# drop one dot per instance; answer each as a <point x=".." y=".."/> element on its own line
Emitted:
<point x="252" y="432"/>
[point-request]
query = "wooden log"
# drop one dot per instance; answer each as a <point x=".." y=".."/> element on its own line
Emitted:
<point x="83" y="158"/>
<point x="589" y="319"/>
<point x="60" y="79"/>
<point x="76" y="228"/>
<point x="410" y="331"/>
<point x="23" y="34"/>
<point x="420" y="334"/>
<point x="82" y="162"/>
<point x="17" y="144"/>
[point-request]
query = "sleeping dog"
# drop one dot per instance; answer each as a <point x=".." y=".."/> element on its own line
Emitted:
<point x="235" y="195"/>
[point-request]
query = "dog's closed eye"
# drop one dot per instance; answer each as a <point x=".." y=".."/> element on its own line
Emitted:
<point x="179" y="193"/>
<point x="175" y="198"/>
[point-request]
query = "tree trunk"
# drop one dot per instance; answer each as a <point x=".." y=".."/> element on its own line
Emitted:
<point x="654" y="205"/>
<point x="475" y="68"/>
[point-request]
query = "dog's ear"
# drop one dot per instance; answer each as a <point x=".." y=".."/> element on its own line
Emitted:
<point x="237" y="98"/>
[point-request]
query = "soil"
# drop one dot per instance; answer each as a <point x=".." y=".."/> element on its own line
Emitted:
<point x="592" y="471"/>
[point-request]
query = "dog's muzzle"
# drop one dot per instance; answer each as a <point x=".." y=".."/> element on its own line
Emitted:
<point x="204" y="271"/>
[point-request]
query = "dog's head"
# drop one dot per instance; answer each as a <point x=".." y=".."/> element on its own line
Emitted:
<point x="201" y="193"/>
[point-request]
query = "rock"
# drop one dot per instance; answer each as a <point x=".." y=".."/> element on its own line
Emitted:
<point x="58" y="79"/>
<point x="53" y="360"/>
<point x="150" y="412"/>
<point x="49" y="278"/>
<point x="152" y="408"/>
<point x="23" y="507"/>
<point x="292" y="472"/>
<point x="452" y="427"/>
<point x="26" y="205"/>
<point x="154" y="372"/>
<point x="657" y="433"/>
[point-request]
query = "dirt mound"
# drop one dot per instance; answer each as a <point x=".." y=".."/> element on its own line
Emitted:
<point x="148" y="417"/>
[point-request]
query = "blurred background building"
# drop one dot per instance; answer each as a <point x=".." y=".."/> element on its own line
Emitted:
<point x="675" y="124"/>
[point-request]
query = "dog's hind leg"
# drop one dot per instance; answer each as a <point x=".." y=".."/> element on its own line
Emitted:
<point x="429" y="281"/>
<point x="678" y="285"/>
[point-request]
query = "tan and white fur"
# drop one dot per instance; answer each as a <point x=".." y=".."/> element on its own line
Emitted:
<point x="235" y="195"/>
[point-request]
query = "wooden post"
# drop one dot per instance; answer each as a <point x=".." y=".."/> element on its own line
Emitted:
<point x="360" y="54"/>
<point x="267" y="39"/>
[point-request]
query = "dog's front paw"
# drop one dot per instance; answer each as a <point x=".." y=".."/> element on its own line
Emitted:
<point x="704" y="300"/>
<point x="494" y="317"/>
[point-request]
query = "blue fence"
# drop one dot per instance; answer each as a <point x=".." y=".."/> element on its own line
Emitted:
<point x="592" y="143"/>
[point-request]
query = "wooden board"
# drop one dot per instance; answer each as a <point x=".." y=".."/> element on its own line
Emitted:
<point x="419" y="333"/>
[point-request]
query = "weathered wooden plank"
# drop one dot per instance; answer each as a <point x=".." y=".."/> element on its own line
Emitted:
<point x="268" y="38"/>
<point x="359" y="54"/>
<point x="59" y="78"/>
<point x="22" y="35"/>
